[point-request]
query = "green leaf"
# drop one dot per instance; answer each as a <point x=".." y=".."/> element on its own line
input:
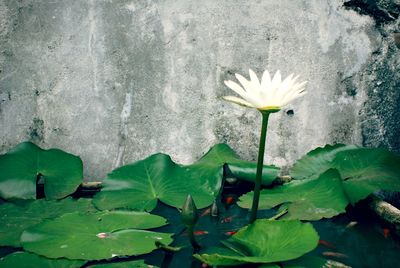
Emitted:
<point x="101" y="235"/>
<point x="366" y="170"/>
<point x="125" y="264"/>
<point x="20" y="167"/>
<point x="219" y="256"/>
<point x="264" y="241"/>
<point x="244" y="170"/>
<point x="140" y="184"/>
<point x="311" y="199"/>
<point x="29" y="260"/>
<point x="363" y="170"/>
<point x="16" y="218"/>
<point x="317" y="161"/>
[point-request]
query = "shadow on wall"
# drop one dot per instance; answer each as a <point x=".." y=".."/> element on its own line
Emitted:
<point x="381" y="10"/>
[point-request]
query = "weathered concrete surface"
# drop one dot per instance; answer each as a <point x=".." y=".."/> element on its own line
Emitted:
<point x="115" y="81"/>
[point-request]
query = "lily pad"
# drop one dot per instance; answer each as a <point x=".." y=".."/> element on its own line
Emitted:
<point x="366" y="170"/>
<point x="363" y="170"/>
<point x="140" y="184"/>
<point x="243" y="170"/>
<point x="20" y="167"/>
<point x="264" y="241"/>
<point x="223" y="256"/>
<point x="29" y="260"/>
<point x="96" y="236"/>
<point x="16" y="218"/>
<point x="311" y="199"/>
<point x="317" y="161"/>
<point x="125" y="264"/>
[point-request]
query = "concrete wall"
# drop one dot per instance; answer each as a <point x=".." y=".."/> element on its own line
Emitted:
<point x="115" y="81"/>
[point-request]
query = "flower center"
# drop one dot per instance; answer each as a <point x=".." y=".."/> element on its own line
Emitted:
<point x="270" y="109"/>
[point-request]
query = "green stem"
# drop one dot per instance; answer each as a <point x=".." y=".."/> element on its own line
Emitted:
<point x="190" y="230"/>
<point x="280" y="214"/>
<point x="260" y="164"/>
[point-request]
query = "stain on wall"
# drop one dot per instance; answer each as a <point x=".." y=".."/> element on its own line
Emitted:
<point x="115" y="81"/>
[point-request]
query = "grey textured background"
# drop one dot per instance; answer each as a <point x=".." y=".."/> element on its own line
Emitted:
<point x="115" y="81"/>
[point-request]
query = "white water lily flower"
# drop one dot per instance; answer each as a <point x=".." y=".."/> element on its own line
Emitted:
<point x="269" y="94"/>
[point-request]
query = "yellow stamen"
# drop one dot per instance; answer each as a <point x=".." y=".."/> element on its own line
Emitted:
<point x="271" y="109"/>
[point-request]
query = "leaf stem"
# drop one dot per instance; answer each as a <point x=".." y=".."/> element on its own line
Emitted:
<point x="190" y="230"/>
<point x="280" y="214"/>
<point x="167" y="248"/>
<point x="260" y="164"/>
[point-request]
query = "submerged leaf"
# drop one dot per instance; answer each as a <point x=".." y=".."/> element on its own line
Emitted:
<point x="140" y="184"/>
<point x="264" y="241"/>
<point x="96" y="236"/>
<point x="21" y="166"/>
<point x="311" y="199"/>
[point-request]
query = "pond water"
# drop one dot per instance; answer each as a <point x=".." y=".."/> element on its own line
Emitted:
<point x="356" y="239"/>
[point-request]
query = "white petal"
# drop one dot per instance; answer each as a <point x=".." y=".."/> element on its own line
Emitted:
<point x="238" y="101"/>
<point x="266" y="79"/>
<point x="294" y="88"/>
<point x="245" y="83"/>
<point x="252" y="89"/>
<point x="272" y="91"/>
<point x="284" y="87"/>
<point x="249" y="96"/>
<point x="254" y="79"/>
<point x="293" y="98"/>
<point x="293" y="94"/>
<point x="295" y="78"/>
<point x="288" y="80"/>
<point x="267" y="92"/>
<point x="277" y="78"/>
<point x="300" y="85"/>
<point x="235" y="87"/>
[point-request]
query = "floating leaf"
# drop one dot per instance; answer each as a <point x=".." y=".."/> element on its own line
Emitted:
<point x="366" y="170"/>
<point x="264" y="241"/>
<point x="29" y="260"/>
<point x="220" y="256"/>
<point x="311" y="199"/>
<point x="21" y="166"/>
<point x="243" y="170"/>
<point x="140" y="184"/>
<point x="101" y="235"/>
<point x="125" y="264"/>
<point x="317" y="161"/>
<point x="16" y="218"/>
<point x="363" y="170"/>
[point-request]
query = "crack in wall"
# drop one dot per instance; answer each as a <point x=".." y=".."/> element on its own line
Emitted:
<point x="92" y="43"/>
<point x="124" y="128"/>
